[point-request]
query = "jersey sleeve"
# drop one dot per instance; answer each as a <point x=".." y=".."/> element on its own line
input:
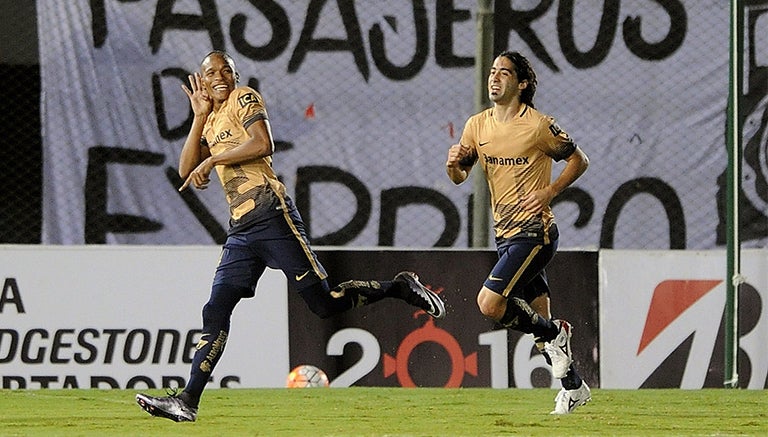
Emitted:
<point x="469" y="138"/>
<point x="250" y="106"/>
<point x="553" y="141"/>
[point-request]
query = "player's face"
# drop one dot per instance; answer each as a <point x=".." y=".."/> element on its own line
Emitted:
<point x="503" y="86"/>
<point x="218" y="77"/>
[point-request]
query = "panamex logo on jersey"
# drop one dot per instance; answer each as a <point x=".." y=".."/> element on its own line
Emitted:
<point x="511" y="160"/>
<point x="222" y="136"/>
<point x="662" y="316"/>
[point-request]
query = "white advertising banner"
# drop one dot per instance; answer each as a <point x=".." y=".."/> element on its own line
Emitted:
<point x="662" y="318"/>
<point x="129" y="317"/>
<point x="376" y="92"/>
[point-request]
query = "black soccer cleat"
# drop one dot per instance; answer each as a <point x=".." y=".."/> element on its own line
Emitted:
<point x="170" y="407"/>
<point x="421" y="296"/>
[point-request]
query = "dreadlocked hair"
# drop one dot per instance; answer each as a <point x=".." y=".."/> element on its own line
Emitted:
<point x="524" y="72"/>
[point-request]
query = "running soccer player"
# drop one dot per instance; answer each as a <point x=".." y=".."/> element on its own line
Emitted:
<point x="515" y="146"/>
<point x="231" y="133"/>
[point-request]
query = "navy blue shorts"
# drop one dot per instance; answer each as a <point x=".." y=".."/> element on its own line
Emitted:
<point x="279" y="242"/>
<point x="519" y="272"/>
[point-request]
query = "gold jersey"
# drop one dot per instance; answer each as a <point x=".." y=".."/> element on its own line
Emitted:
<point x="516" y="157"/>
<point x="251" y="188"/>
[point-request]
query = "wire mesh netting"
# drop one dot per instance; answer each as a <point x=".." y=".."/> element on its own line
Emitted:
<point x="364" y="99"/>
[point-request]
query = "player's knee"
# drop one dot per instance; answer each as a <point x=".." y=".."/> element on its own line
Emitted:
<point x="492" y="311"/>
<point x="319" y="308"/>
<point x="319" y="300"/>
<point x="491" y="308"/>
<point x="213" y="313"/>
<point x="221" y="303"/>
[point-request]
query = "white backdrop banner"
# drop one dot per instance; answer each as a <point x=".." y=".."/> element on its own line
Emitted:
<point x="646" y="114"/>
<point x="129" y="317"/>
<point x="109" y="317"/>
<point x="662" y="319"/>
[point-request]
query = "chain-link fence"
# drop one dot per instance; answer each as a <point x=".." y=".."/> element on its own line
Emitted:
<point x="364" y="99"/>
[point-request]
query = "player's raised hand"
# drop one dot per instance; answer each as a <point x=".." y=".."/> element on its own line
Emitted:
<point x="456" y="165"/>
<point x="198" y="97"/>
<point x="456" y="153"/>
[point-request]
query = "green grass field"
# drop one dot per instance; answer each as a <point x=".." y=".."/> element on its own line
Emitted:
<point x="363" y="411"/>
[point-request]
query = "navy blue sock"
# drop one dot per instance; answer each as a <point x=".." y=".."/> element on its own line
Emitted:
<point x="368" y="292"/>
<point x="326" y="302"/>
<point x="572" y="379"/>
<point x="322" y="301"/>
<point x="217" y="314"/>
<point x="520" y="316"/>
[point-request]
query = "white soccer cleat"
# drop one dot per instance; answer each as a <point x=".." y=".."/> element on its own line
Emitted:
<point x="559" y="350"/>
<point x="567" y="400"/>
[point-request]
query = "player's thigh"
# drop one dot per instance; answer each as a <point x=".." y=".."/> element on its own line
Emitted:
<point x="520" y="269"/>
<point x="239" y="265"/>
<point x="293" y="255"/>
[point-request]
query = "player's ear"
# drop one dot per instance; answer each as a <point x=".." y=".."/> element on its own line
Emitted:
<point x="522" y="85"/>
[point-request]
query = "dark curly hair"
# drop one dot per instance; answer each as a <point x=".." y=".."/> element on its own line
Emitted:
<point x="524" y="72"/>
